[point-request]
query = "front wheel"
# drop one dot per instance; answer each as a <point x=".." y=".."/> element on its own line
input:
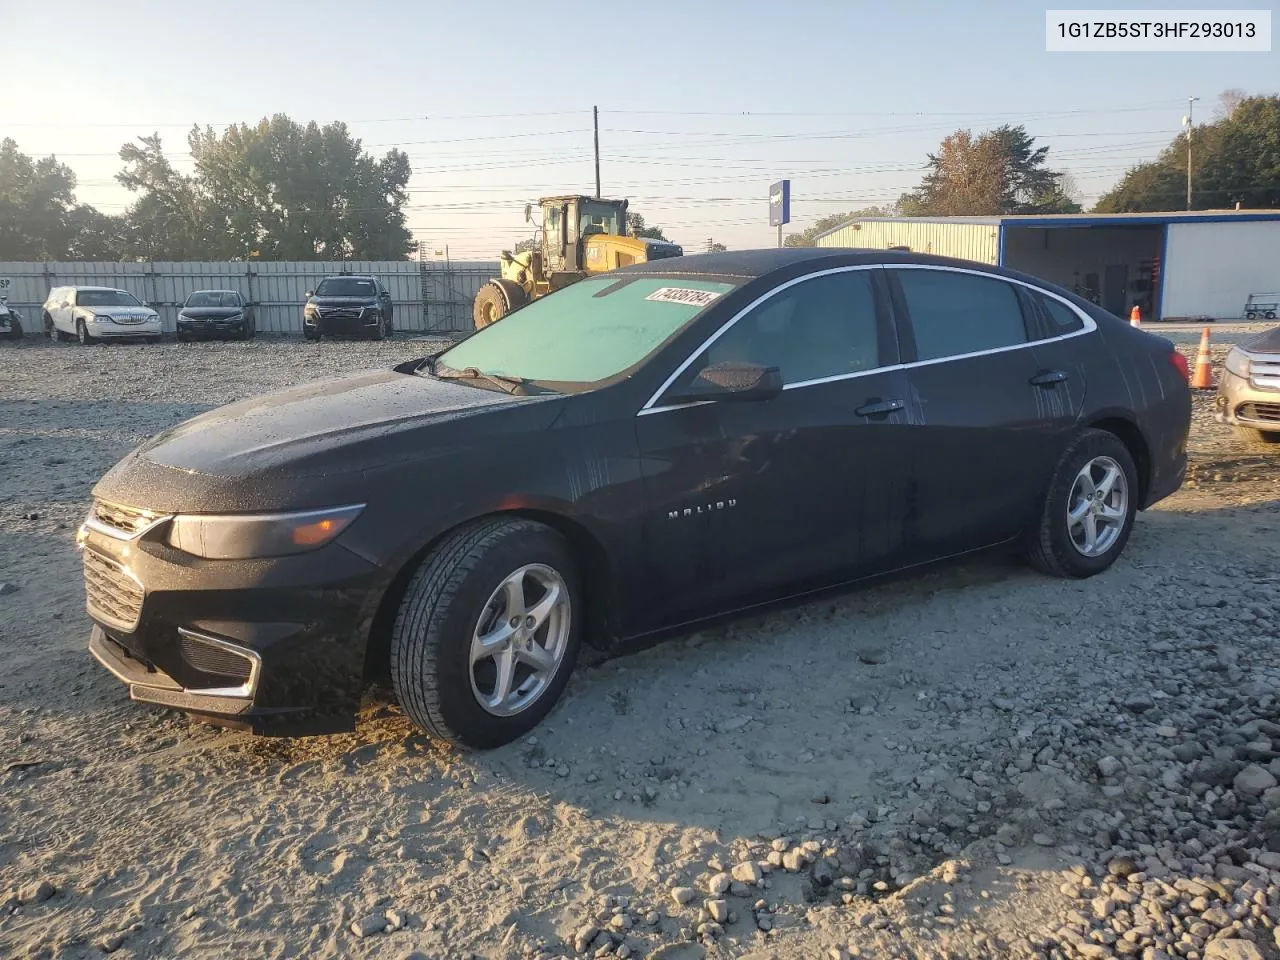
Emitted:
<point x="380" y="331"/>
<point x="487" y="632"/>
<point x="489" y="306"/>
<point x="15" y="329"/>
<point x="1089" y="510"/>
<point x="83" y="334"/>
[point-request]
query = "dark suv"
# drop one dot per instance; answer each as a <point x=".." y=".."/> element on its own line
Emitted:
<point x="348" y="306"/>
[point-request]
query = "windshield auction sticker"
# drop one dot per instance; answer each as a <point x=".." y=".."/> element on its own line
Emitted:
<point x="694" y="298"/>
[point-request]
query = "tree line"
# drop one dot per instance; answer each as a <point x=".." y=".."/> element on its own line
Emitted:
<point x="277" y="190"/>
<point x="1235" y="159"/>
<point x="282" y="190"/>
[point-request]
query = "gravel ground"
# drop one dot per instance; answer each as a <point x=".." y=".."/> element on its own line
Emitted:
<point x="973" y="762"/>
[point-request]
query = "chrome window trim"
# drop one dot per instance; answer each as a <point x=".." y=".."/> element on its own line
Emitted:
<point x="1090" y="326"/>
<point x="246" y="689"/>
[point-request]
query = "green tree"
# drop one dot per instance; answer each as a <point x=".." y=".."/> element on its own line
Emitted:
<point x="172" y="219"/>
<point x="1235" y="159"/>
<point x="298" y="192"/>
<point x="36" y="201"/>
<point x="715" y="247"/>
<point x="808" y="236"/>
<point x="1001" y="171"/>
<point x="99" y="236"/>
<point x="636" y="227"/>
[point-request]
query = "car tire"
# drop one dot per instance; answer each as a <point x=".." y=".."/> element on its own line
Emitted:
<point x="1061" y="548"/>
<point x="459" y="594"/>
<point x="489" y="306"/>
<point x="308" y="334"/>
<point x="15" y="329"/>
<point x="1262" y="437"/>
<point x="380" y="331"/>
<point x="50" y="331"/>
<point x="83" y="335"/>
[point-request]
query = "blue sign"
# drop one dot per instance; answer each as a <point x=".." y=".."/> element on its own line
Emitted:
<point x="780" y="203"/>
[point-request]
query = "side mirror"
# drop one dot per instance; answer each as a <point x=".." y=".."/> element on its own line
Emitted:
<point x="729" y="380"/>
<point x="528" y="213"/>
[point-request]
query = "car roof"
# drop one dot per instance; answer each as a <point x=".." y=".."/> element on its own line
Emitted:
<point x="77" y="286"/>
<point x="757" y="263"/>
<point x="351" y="276"/>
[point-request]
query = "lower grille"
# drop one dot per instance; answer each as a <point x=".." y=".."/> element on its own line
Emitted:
<point x="341" y="313"/>
<point x="220" y="663"/>
<point x="1264" y="412"/>
<point x="111" y="594"/>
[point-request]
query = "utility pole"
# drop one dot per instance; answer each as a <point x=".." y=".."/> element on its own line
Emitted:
<point x="595" y="124"/>
<point x="1186" y="122"/>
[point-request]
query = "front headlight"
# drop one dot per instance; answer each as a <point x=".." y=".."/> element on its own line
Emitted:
<point x="101" y="318"/>
<point x="256" y="535"/>
<point x="1238" y="363"/>
<point x="234" y="317"/>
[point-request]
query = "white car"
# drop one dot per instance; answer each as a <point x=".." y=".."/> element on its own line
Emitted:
<point x="98" y="313"/>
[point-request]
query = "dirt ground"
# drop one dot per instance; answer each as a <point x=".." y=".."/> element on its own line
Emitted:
<point x="953" y="763"/>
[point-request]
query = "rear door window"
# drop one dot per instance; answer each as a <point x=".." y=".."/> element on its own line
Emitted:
<point x="954" y="313"/>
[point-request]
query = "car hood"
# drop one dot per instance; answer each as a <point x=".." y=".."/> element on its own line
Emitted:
<point x="1268" y="342"/>
<point x="344" y="301"/>
<point x="209" y="313"/>
<point x="314" y="442"/>
<point x="123" y="313"/>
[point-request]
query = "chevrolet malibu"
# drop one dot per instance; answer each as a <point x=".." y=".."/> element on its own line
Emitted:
<point x="631" y="455"/>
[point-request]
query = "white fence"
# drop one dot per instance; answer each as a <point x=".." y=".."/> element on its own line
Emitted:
<point x="428" y="296"/>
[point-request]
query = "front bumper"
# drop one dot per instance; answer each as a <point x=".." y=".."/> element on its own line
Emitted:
<point x="211" y="328"/>
<point x="1239" y="402"/>
<point x="106" y="329"/>
<point x="342" y="324"/>
<point x="274" y="646"/>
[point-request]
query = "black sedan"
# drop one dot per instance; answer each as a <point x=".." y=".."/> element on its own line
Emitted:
<point x="216" y="314"/>
<point x="630" y="455"/>
<point x="348" y="306"/>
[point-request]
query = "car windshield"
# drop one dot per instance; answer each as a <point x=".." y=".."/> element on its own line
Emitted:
<point x="344" y="287"/>
<point x="589" y="333"/>
<point x="213" y="298"/>
<point x="106" y="298"/>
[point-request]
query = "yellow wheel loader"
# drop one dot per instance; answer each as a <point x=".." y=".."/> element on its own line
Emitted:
<point x="578" y="237"/>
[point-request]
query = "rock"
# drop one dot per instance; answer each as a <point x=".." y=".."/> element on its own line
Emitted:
<point x="1003" y="703"/>
<point x="1042" y="839"/>
<point x="1253" y="781"/>
<point x="111" y="943"/>
<point x="1215" y="771"/>
<point x="396" y="920"/>
<point x="873" y="655"/>
<point x="1109" y="766"/>
<point x="7" y="588"/>
<point x="1103" y="907"/>
<point x="1268" y="859"/>
<point x="683" y="895"/>
<point x="719" y="883"/>
<point x="717" y="910"/>
<point x="369" y="925"/>
<point x="37" y="892"/>
<point x="620" y="923"/>
<point x="1121" y="866"/>
<point x="1232" y="949"/>
<point x="793" y="860"/>
<point x="584" y="936"/>
<point x="1139" y="703"/>
<point x="822" y="873"/>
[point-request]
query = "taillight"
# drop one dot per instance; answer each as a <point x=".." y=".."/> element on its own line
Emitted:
<point x="1180" y="364"/>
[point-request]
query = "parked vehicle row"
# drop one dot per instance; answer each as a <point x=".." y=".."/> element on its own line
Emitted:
<point x="340" y="305"/>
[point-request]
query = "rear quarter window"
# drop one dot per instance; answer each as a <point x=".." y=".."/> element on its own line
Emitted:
<point x="955" y="313"/>
<point x="1060" y="319"/>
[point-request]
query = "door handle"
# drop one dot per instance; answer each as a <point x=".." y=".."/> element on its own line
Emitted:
<point x="1048" y="378"/>
<point x="879" y="408"/>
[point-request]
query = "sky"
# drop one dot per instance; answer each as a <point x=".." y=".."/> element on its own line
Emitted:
<point x="703" y="103"/>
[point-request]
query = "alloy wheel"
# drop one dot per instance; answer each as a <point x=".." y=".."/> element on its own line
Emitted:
<point x="1097" y="507"/>
<point x="520" y="640"/>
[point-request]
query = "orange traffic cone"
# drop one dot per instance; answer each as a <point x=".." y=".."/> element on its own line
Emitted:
<point x="1202" y="379"/>
<point x="1135" y="317"/>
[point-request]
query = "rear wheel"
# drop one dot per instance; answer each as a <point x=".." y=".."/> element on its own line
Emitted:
<point x="1089" y="510"/>
<point x="1271" y="314"/>
<point x="487" y="632"/>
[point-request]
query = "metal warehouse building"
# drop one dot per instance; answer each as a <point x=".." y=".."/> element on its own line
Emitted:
<point x="1198" y="265"/>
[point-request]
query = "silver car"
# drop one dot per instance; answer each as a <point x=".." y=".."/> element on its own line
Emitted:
<point x="1249" y="391"/>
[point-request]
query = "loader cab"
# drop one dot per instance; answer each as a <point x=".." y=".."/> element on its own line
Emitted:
<point x="569" y="221"/>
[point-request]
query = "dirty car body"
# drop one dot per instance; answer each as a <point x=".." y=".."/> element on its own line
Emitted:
<point x="1249" y="391"/>
<point x="915" y="446"/>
